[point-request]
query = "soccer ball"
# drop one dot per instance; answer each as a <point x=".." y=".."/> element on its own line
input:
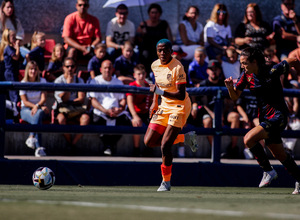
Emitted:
<point x="43" y="178"/>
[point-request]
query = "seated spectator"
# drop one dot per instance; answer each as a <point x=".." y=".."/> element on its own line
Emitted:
<point x="231" y="66"/>
<point x="138" y="105"/>
<point x="190" y="32"/>
<point x="95" y="62"/>
<point x="33" y="109"/>
<point x="203" y="109"/>
<point x="10" y="54"/>
<point x="70" y="108"/>
<point x="37" y="49"/>
<point x="286" y="27"/>
<point x="296" y="52"/>
<point x="149" y="33"/>
<point x="81" y="32"/>
<point x="109" y="107"/>
<point x="118" y="31"/>
<point x="217" y="32"/>
<point x="270" y="56"/>
<point x="253" y="31"/>
<point x="55" y="66"/>
<point x="198" y="67"/>
<point x="179" y="55"/>
<point x="125" y="63"/>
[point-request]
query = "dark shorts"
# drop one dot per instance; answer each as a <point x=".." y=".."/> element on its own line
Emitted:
<point x="274" y="126"/>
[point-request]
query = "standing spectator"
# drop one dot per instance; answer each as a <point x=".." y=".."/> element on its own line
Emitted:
<point x="81" y="31"/>
<point x="138" y="105"/>
<point x="8" y="19"/>
<point x="149" y="33"/>
<point x="33" y="109"/>
<point x="119" y="29"/>
<point x="253" y="31"/>
<point x="125" y="64"/>
<point x="69" y="107"/>
<point x="55" y="66"/>
<point x="217" y="32"/>
<point x="37" y="49"/>
<point x="109" y="107"/>
<point x="190" y="32"/>
<point x="10" y="53"/>
<point x="286" y="27"/>
<point x="198" y="67"/>
<point x="96" y="61"/>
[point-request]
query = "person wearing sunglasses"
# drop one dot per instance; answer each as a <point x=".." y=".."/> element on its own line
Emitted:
<point x="286" y="27"/>
<point x="69" y="108"/>
<point x="118" y="31"/>
<point x="81" y="31"/>
<point x="217" y="32"/>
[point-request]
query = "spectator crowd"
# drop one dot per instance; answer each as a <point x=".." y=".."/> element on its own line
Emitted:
<point x="209" y="53"/>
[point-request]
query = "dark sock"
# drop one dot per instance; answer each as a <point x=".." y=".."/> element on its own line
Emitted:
<point x="292" y="167"/>
<point x="261" y="157"/>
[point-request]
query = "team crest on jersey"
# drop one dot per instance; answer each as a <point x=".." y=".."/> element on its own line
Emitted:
<point x="169" y="77"/>
<point x="249" y="78"/>
<point x="273" y="69"/>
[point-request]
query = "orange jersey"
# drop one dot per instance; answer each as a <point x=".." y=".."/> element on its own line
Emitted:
<point x="167" y="77"/>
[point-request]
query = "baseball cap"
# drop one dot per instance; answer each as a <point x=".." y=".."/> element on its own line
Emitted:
<point x="178" y="51"/>
<point x="213" y="63"/>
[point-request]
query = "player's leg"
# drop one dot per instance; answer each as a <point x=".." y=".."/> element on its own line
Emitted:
<point x="154" y="135"/>
<point x="251" y="141"/>
<point x="168" y="139"/>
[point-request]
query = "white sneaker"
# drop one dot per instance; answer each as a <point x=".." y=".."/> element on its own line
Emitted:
<point x="191" y="141"/>
<point x="248" y="154"/>
<point x="164" y="186"/>
<point x="267" y="178"/>
<point x="40" y="152"/>
<point x="297" y="189"/>
<point x="30" y="142"/>
<point x="107" y="152"/>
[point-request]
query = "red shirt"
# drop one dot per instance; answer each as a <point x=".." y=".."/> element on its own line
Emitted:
<point x="82" y="30"/>
<point x="141" y="102"/>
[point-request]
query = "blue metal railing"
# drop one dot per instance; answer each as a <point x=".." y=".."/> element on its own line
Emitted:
<point x="217" y="131"/>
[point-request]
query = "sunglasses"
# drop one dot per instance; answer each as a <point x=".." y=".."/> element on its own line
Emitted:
<point x="84" y="5"/>
<point x="72" y="66"/>
<point x="223" y="12"/>
<point x="123" y="13"/>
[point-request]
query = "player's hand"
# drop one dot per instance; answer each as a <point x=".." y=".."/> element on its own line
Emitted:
<point x="228" y="82"/>
<point x="153" y="109"/>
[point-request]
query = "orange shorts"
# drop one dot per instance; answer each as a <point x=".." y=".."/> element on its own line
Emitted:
<point x="167" y="117"/>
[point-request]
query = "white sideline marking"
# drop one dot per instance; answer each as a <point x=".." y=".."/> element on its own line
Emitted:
<point x="163" y="209"/>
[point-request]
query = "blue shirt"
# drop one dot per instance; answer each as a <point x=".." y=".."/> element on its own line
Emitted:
<point x="266" y="87"/>
<point x="197" y="71"/>
<point x="95" y="64"/>
<point x="37" y="54"/>
<point x="11" y="66"/>
<point x="53" y="66"/>
<point x="124" y="66"/>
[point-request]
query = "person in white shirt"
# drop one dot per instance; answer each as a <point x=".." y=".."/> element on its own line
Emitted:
<point x="109" y="107"/>
<point x="217" y="32"/>
<point x="33" y="109"/>
<point x="119" y="30"/>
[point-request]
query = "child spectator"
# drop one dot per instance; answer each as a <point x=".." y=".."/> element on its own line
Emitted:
<point x="139" y="104"/>
<point x="33" y="109"/>
<point x="37" y="49"/>
<point x="10" y="53"/>
<point x="197" y="68"/>
<point x="56" y="62"/>
<point x="125" y="63"/>
<point x="231" y="67"/>
<point x="95" y="62"/>
<point x="270" y="56"/>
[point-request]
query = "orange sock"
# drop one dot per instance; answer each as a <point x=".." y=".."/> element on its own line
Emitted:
<point x="179" y="139"/>
<point x="166" y="172"/>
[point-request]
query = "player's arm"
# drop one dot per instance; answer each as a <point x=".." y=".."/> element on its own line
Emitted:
<point x="178" y="94"/>
<point x="233" y="92"/>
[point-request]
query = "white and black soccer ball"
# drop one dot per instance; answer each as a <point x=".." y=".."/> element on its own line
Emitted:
<point x="43" y="178"/>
